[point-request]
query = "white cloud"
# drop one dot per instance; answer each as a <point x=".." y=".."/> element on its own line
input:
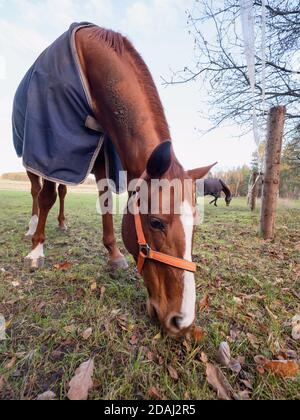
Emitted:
<point x="2" y="68"/>
<point x="140" y="14"/>
<point x="157" y="14"/>
<point x="61" y="13"/>
<point x="20" y="38"/>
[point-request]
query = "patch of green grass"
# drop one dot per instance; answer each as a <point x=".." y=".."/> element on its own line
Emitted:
<point x="253" y="287"/>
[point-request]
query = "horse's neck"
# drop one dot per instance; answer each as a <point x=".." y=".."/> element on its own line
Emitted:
<point x="226" y="191"/>
<point x="123" y="109"/>
<point x="227" y="195"/>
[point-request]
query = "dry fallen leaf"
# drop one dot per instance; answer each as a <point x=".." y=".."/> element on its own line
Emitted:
<point x="218" y="381"/>
<point x="157" y="337"/>
<point x="2" y="382"/>
<point x="134" y="340"/>
<point x="82" y="382"/>
<point x="253" y="340"/>
<point x="224" y="354"/>
<point x="124" y="322"/>
<point x="296" y="327"/>
<point x="234" y="334"/>
<point x="87" y="333"/>
<point x="150" y="356"/>
<point x="154" y="393"/>
<point x="70" y="329"/>
<point x="47" y="396"/>
<point x="296" y="332"/>
<point x="10" y="364"/>
<point x="244" y="395"/>
<point x="197" y="334"/>
<point x="238" y="301"/>
<point x="102" y="292"/>
<point x="235" y="365"/>
<point x="93" y="286"/>
<point x="226" y="360"/>
<point x="204" y="303"/>
<point x="287" y="355"/>
<point x="63" y="266"/>
<point x="284" y="368"/>
<point x="173" y="373"/>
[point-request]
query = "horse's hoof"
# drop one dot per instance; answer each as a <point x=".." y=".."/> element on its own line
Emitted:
<point x="34" y="264"/>
<point x="63" y="228"/>
<point x="118" y="264"/>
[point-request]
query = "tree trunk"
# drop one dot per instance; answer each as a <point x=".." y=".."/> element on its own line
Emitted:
<point x="253" y="191"/>
<point x="272" y="171"/>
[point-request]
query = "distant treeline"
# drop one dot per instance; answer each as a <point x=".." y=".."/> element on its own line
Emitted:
<point x="15" y="176"/>
<point x="22" y="177"/>
<point x="237" y="179"/>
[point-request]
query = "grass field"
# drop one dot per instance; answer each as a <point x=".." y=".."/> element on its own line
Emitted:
<point x="254" y="290"/>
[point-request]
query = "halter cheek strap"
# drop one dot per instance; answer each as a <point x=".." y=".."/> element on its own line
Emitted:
<point x="146" y="253"/>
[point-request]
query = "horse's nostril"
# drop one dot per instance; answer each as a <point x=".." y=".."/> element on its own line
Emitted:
<point x="174" y="323"/>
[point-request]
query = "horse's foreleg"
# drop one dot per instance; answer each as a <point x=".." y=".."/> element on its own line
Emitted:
<point x="47" y="197"/>
<point x="62" y="192"/>
<point x="214" y="200"/>
<point x="116" y="259"/>
<point x="35" y="190"/>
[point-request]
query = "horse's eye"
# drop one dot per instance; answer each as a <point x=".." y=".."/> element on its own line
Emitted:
<point x="157" y="224"/>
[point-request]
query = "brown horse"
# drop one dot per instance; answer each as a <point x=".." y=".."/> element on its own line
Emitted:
<point x="127" y="105"/>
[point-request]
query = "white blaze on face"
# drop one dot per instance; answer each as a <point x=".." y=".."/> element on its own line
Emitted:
<point x="189" y="287"/>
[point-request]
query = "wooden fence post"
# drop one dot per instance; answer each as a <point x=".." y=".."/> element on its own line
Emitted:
<point x="270" y="193"/>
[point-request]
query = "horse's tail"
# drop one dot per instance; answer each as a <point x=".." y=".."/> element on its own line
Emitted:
<point x="225" y="189"/>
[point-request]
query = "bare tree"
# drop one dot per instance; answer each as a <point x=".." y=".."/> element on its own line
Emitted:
<point x="220" y="63"/>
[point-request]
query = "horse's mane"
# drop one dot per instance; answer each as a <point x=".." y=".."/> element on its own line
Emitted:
<point x="225" y="188"/>
<point x="120" y="44"/>
<point x="111" y="38"/>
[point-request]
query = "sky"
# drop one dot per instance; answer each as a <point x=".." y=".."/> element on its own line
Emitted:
<point x="159" y="31"/>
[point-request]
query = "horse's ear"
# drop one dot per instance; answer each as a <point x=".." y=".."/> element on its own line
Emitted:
<point x="200" y="173"/>
<point x="160" y="160"/>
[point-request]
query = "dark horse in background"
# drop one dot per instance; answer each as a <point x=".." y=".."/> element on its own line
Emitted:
<point x="214" y="187"/>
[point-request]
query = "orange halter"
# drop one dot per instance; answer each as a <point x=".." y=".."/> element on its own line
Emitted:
<point x="146" y="253"/>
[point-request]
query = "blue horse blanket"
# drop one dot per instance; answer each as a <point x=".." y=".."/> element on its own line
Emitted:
<point x="54" y="127"/>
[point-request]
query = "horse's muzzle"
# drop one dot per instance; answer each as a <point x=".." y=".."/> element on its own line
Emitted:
<point x="171" y="324"/>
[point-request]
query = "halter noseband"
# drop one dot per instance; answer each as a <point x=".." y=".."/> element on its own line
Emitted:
<point x="146" y="253"/>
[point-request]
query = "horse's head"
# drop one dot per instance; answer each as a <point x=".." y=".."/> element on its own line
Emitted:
<point x="167" y="226"/>
<point x="228" y="200"/>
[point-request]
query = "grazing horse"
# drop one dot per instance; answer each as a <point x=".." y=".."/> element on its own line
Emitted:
<point x="126" y="104"/>
<point x="214" y="187"/>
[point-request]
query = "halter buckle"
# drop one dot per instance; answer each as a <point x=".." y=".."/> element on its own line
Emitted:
<point x="145" y="250"/>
